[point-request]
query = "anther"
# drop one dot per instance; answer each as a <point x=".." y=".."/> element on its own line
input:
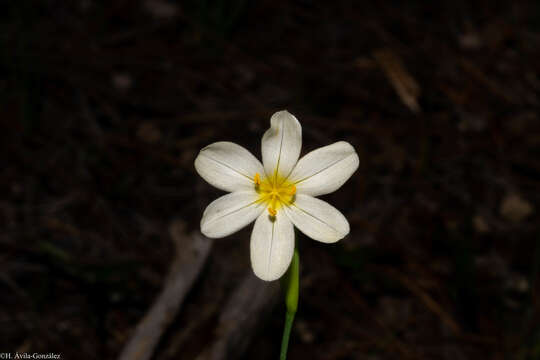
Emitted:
<point x="257" y="179"/>
<point x="293" y="190"/>
<point x="272" y="211"/>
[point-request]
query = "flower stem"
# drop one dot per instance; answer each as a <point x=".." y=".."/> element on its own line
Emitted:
<point x="289" y="318"/>
<point x="290" y="283"/>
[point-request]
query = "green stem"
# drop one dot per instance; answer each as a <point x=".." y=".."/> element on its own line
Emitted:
<point x="289" y="318"/>
<point x="290" y="283"/>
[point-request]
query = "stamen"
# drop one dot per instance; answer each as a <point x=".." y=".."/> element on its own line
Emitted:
<point x="275" y="191"/>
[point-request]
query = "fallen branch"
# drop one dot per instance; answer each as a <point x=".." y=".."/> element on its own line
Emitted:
<point x="191" y="254"/>
<point x="240" y="318"/>
<point x="426" y="299"/>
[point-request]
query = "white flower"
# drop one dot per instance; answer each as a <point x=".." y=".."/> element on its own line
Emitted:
<point x="276" y="195"/>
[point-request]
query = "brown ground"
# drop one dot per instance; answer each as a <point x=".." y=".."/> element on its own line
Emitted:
<point x="104" y="108"/>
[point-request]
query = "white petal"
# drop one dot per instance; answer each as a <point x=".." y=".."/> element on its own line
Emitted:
<point x="317" y="219"/>
<point x="324" y="170"/>
<point x="230" y="213"/>
<point x="272" y="246"/>
<point x="281" y="144"/>
<point x="228" y="166"/>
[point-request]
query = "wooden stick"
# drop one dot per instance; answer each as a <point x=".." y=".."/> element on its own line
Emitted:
<point x="403" y="82"/>
<point x="191" y="254"/>
<point x="241" y="316"/>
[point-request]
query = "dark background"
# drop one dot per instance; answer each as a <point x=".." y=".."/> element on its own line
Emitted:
<point x="105" y="105"/>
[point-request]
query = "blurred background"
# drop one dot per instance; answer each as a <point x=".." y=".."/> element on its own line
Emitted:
<point x="105" y="106"/>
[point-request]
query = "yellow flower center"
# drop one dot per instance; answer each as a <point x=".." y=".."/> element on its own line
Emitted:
<point x="275" y="191"/>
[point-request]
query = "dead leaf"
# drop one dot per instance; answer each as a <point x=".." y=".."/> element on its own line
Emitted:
<point x="515" y="209"/>
<point x="122" y="81"/>
<point x="161" y="9"/>
<point x="480" y="224"/>
<point x="405" y="85"/>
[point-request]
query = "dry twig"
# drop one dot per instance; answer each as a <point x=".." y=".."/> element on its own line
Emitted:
<point x="405" y="85"/>
<point x="241" y="317"/>
<point x="191" y="253"/>
<point x="426" y="299"/>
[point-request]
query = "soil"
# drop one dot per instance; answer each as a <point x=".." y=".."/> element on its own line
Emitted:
<point x="105" y="106"/>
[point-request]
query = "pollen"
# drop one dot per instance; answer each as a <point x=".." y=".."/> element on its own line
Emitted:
<point x="275" y="191"/>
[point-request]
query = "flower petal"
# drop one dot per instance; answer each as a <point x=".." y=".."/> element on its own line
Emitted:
<point x="317" y="219"/>
<point x="228" y="166"/>
<point x="272" y="246"/>
<point x="230" y="213"/>
<point x="281" y="144"/>
<point x="324" y="170"/>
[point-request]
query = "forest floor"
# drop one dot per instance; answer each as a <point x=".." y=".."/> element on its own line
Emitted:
<point x="104" y="109"/>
